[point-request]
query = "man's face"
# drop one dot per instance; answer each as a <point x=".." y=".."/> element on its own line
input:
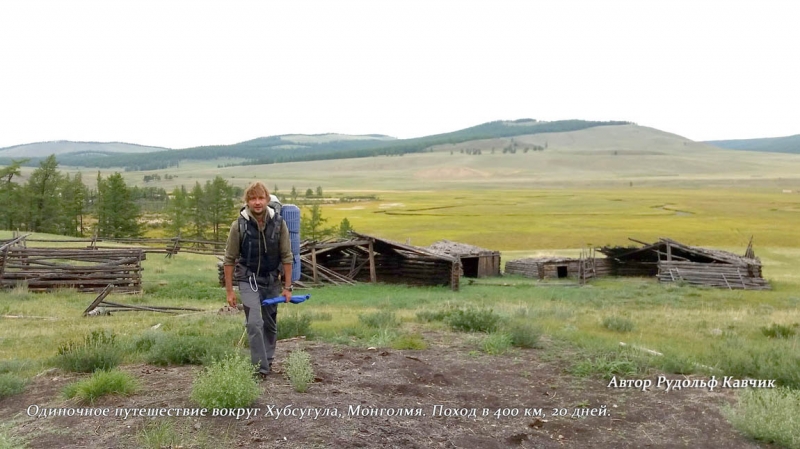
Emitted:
<point x="257" y="203"/>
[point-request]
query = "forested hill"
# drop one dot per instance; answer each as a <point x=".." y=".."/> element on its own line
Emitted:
<point x="790" y="144"/>
<point x="295" y="148"/>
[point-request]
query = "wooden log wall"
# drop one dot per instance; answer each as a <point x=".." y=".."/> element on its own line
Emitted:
<point x="86" y="270"/>
<point x="712" y="275"/>
<point x="525" y="268"/>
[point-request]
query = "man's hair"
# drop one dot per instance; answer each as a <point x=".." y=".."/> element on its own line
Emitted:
<point x="254" y="189"/>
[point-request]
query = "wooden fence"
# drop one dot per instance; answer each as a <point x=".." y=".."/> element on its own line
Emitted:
<point x="86" y="270"/>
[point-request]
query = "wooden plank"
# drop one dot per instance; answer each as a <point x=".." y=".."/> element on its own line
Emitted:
<point x="373" y="276"/>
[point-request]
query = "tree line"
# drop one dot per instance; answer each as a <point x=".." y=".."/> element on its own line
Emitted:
<point x="57" y="203"/>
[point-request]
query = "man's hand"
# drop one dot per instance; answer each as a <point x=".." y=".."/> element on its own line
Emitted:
<point x="287" y="294"/>
<point x="231" y="298"/>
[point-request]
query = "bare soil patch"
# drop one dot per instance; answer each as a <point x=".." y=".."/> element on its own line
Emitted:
<point x="450" y="373"/>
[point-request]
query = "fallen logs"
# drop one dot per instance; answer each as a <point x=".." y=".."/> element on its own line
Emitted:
<point x="86" y="270"/>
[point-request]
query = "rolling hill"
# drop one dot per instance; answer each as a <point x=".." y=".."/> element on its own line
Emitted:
<point x="295" y="148"/>
<point x="789" y="144"/>
<point x="63" y="147"/>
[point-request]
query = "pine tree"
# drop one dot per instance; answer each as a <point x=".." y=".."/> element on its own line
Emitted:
<point x="43" y="191"/>
<point x="345" y="228"/>
<point x="220" y="206"/>
<point x="11" y="212"/>
<point x="117" y="212"/>
<point x="312" y="225"/>
<point x="177" y="211"/>
<point x="198" y="218"/>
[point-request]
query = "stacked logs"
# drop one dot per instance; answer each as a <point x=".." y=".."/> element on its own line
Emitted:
<point x="86" y="270"/>
<point x="712" y="275"/>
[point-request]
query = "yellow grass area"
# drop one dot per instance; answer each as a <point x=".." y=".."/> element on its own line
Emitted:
<point x="520" y="220"/>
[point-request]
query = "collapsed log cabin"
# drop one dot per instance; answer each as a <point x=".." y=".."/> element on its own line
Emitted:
<point x="369" y="258"/>
<point x="86" y="270"/>
<point x="476" y="262"/>
<point x="672" y="261"/>
<point x="583" y="268"/>
<point x="365" y="258"/>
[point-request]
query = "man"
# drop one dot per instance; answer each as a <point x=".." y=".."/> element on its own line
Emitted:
<point x="258" y="244"/>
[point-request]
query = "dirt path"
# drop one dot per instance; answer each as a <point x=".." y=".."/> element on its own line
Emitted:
<point x="354" y="382"/>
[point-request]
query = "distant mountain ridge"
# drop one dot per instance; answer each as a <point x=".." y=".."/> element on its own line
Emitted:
<point x="58" y="147"/>
<point x="788" y="144"/>
<point x="299" y="147"/>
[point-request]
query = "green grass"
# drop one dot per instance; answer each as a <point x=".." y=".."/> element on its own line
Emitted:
<point x="769" y="416"/>
<point x="496" y="343"/>
<point x="11" y="384"/>
<point x="98" y="350"/>
<point x="226" y="383"/>
<point x="8" y="441"/>
<point x="102" y="383"/>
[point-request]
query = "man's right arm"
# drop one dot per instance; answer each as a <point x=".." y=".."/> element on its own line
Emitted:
<point x="231" y="253"/>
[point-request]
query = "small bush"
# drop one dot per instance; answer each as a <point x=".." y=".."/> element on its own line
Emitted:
<point x="185" y="350"/>
<point x="294" y="325"/>
<point x="100" y="384"/>
<point x="226" y="383"/>
<point x="409" y="341"/>
<point x="779" y="331"/>
<point x="298" y="370"/>
<point x="768" y="415"/>
<point x="145" y="342"/>
<point x="474" y="320"/>
<point x="524" y="335"/>
<point x="97" y="351"/>
<point x="618" y="324"/>
<point x="380" y="320"/>
<point x="10" y="385"/>
<point x="496" y="344"/>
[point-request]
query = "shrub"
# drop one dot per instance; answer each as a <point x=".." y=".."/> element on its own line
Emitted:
<point x="100" y="384"/>
<point x="97" y="351"/>
<point x="226" y="383"/>
<point x="768" y="415"/>
<point x="11" y="385"/>
<point x="299" y="370"/>
<point x="380" y="320"/>
<point x="496" y="344"/>
<point x="409" y="341"/>
<point x="14" y="366"/>
<point x="524" y="335"/>
<point x="779" y="331"/>
<point x="618" y="324"/>
<point x="427" y="316"/>
<point x="185" y="350"/>
<point x="293" y="325"/>
<point x="474" y="320"/>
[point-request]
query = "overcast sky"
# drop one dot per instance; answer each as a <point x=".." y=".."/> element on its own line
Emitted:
<point x="186" y="73"/>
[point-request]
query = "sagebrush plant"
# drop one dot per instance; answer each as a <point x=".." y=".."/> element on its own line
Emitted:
<point x="474" y="320"/>
<point x="97" y="351"/>
<point x="297" y="368"/>
<point x="225" y="383"/>
<point x="294" y="324"/>
<point x="102" y="383"/>
<point x="409" y="341"/>
<point x="523" y="334"/>
<point x="496" y="343"/>
<point x="768" y="415"/>
<point x="381" y="320"/>
<point x="11" y="384"/>
<point x="618" y="323"/>
<point x="174" y="349"/>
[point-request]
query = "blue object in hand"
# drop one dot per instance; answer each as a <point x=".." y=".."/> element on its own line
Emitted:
<point x="297" y="299"/>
